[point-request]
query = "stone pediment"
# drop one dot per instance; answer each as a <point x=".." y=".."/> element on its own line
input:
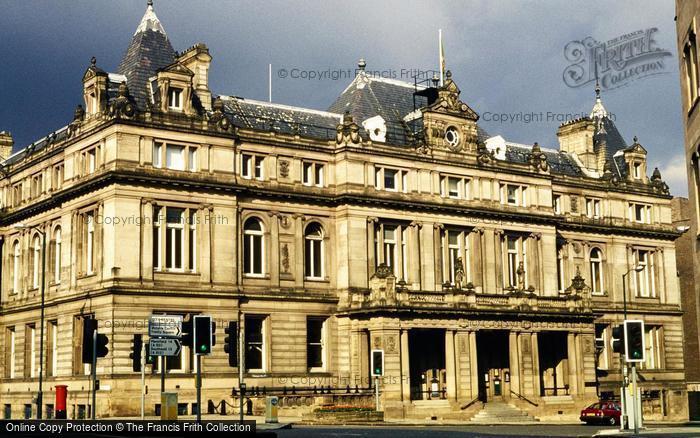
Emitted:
<point x="636" y="148"/>
<point x="178" y="68"/>
<point x="448" y="101"/>
<point x="93" y="70"/>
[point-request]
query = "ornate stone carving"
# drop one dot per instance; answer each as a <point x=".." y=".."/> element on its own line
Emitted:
<point x="657" y="183"/>
<point x="78" y="117"/>
<point x="390" y="344"/>
<point x="574" y="204"/>
<point x="285" y="222"/>
<point x="538" y="159"/>
<point x="217" y="116"/>
<point x="284" y="168"/>
<point x="347" y="132"/>
<point x="578" y="284"/>
<point x="383" y="271"/>
<point x="423" y="148"/>
<point x="123" y="106"/>
<point x="448" y="100"/>
<point x="483" y="155"/>
<point x="521" y="276"/>
<point x="285" y="258"/>
<point x="459" y="273"/>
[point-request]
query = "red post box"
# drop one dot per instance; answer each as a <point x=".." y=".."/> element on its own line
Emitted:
<point x="61" y="396"/>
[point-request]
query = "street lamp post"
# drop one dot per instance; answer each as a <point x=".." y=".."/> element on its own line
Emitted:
<point x="40" y="395"/>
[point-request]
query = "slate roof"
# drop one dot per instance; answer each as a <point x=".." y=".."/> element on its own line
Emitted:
<point x="559" y="162"/>
<point x="149" y="51"/>
<point x="248" y="113"/>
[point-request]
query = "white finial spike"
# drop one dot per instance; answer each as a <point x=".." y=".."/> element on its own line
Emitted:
<point x="150" y="21"/>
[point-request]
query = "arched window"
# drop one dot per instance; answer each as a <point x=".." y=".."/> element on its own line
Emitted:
<point x="313" y="251"/>
<point x="253" y="247"/>
<point x="57" y="256"/>
<point x="596" y="271"/>
<point x="16" y="267"/>
<point x="36" y="262"/>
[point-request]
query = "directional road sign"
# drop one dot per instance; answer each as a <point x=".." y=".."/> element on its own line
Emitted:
<point x="165" y="326"/>
<point x="165" y="346"/>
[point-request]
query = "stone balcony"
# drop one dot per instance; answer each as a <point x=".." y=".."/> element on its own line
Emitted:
<point x="386" y="294"/>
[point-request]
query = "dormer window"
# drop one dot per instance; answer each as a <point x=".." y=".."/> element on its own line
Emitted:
<point x="637" y="170"/>
<point x="175" y="99"/>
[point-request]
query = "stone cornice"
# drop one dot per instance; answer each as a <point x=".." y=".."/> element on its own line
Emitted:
<point x="126" y="177"/>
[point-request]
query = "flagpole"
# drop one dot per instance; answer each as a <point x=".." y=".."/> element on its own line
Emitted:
<point x="442" y="59"/>
<point x="269" y="83"/>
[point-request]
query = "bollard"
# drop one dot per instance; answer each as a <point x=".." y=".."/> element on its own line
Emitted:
<point x="168" y="406"/>
<point x="223" y="407"/>
<point x="61" y="396"/>
<point x="271" y="409"/>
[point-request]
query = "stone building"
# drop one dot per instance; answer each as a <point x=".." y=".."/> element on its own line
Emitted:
<point x="485" y="270"/>
<point x="687" y="16"/>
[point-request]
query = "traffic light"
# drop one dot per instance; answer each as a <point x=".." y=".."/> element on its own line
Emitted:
<point x="618" y="339"/>
<point x="150" y="359"/>
<point x="135" y="354"/>
<point x="202" y="334"/>
<point x="634" y="341"/>
<point x="187" y="333"/>
<point x="377" y="363"/>
<point x="89" y="328"/>
<point x="102" y="341"/>
<point x="231" y="343"/>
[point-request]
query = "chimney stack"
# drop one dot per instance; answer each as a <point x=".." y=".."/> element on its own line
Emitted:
<point x="6" y="143"/>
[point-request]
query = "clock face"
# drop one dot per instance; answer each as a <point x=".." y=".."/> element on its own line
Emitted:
<point x="452" y="136"/>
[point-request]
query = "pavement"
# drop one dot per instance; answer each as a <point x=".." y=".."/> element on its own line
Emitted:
<point x="684" y="430"/>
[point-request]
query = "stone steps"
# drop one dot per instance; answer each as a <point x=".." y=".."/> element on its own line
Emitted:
<point x="500" y="413"/>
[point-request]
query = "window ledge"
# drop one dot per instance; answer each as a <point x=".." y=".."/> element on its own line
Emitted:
<point x="317" y="279"/>
<point x="184" y="273"/>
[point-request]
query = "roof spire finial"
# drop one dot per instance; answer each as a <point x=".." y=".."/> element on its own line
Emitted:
<point x="361" y="64"/>
<point x="149" y="3"/>
<point x="93" y="61"/>
<point x="598" y="111"/>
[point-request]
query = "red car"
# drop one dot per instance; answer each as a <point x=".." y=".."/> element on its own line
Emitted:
<point x="607" y="412"/>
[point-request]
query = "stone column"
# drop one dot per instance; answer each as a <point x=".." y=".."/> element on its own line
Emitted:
<point x="415" y="269"/>
<point x="437" y="255"/>
<point x="514" y="358"/>
<point x="299" y="247"/>
<point x="479" y="262"/>
<point x="371" y="252"/>
<point x="450" y="369"/>
<point x="428" y="257"/>
<point x="405" y="367"/>
<point x="146" y="250"/>
<point x="473" y="361"/>
<point x="463" y="366"/>
<point x="536" y="391"/>
<point x="572" y="360"/>
<point x="496" y="266"/>
<point x="274" y="255"/>
<point x="206" y="244"/>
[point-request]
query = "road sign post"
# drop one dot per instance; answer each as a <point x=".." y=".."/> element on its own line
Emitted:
<point x="143" y="381"/>
<point x="161" y="327"/>
<point x="377" y="372"/>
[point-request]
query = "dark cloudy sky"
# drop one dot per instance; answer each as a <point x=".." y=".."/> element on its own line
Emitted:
<point x="506" y="56"/>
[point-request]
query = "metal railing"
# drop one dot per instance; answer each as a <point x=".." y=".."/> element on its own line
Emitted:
<point x="522" y="397"/>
